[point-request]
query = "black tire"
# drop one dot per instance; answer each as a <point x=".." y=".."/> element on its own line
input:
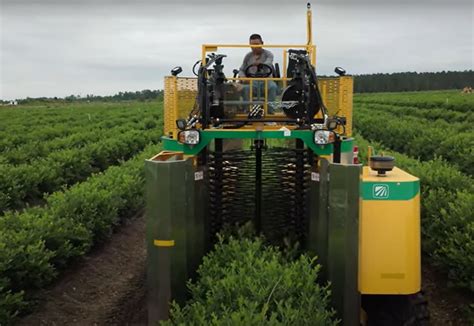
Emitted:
<point x="396" y="310"/>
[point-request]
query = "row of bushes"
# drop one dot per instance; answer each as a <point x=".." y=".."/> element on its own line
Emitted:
<point x="244" y="282"/>
<point x="27" y="183"/>
<point x="42" y="124"/>
<point x="447" y="206"/>
<point x="435" y="114"/>
<point x="34" y="117"/>
<point x="417" y="137"/>
<point x="38" y="242"/>
<point x="36" y="149"/>
<point x="450" y="100"/>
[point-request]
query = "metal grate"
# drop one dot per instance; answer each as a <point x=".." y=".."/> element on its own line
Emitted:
<point x="285" y="176"/>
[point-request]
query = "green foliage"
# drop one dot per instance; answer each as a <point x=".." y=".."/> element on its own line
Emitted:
<point x="33" y="128"/>
<point x="447" y="206"/>
<point x="431" y="115"/>
<point x="244" y="282"/>
<point x="37" y="242"/>
<point x="47" y="150"/>
<point x="65" y="161"/>
<point x="417" y="137"/>
<point x="448" y="100"/>
<point x="10" y="304"/>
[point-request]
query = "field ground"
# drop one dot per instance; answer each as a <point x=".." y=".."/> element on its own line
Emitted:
<point x="106" y="287"/>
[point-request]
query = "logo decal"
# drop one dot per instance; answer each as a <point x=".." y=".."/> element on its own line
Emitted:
<point x="380" y="191"/>
<point x="199" y="175"/>
<point x="314" y="176"/>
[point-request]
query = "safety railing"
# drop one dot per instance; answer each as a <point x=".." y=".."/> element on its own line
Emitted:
<point x="181" y="93"/>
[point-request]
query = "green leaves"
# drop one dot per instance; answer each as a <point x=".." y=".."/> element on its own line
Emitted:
<point x="418" y="137"/>
<point x="10" y="304"/>
<point x="244" y="282"/>
<point x="45" y="153"/>
<point x="447" y="100"/>
<point x="64" y="161"/>
<point x="37" y="242"/>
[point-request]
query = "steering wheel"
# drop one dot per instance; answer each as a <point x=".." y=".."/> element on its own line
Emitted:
<point x="263" y="70"/>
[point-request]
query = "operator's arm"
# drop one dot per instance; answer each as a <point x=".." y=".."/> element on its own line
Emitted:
<point x="245" y="63"/>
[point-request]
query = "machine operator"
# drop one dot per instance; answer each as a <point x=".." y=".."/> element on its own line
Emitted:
<point x="251" y="63"/>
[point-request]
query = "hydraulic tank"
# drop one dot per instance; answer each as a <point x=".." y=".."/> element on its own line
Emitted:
<point x="389" y="233"/>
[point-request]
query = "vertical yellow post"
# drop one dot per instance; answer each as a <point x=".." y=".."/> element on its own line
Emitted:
<point x="203" y="55"/>
<point x="265" y="104"/>
<point x="311" y="49"/>
<point x="309" y="27"/>
<point x="250" y="93"/>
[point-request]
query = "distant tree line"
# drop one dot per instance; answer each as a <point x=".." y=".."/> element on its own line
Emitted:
<point x="413" y="81"/>
<point x="144" y="95"/>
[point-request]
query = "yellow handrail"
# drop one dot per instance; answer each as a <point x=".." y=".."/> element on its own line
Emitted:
<point x="310" y="48"/>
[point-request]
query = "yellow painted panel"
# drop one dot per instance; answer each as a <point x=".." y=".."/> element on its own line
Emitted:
<point x="389" y="246"/>
<point x="337" y="94"/>
<point x="164" y="243"/>
<point x="179" y="98"/>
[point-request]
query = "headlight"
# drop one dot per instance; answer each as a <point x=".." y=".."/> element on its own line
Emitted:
<point x="189" y="137"/>
<point x="323" y="137"/>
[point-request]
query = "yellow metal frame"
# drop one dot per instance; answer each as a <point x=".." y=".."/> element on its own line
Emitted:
<point x="181" y="92"/>
<point x="310" y="48"/>
<point x="337" y="92"/>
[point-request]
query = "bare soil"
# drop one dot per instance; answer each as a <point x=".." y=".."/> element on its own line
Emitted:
<point x="447" y="306"/>
<point x="104" y="288"/>
<point x="107" y="287"/>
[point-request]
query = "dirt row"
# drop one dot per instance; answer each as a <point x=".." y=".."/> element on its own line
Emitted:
<point x="107" y="287"/>
<point x="104" y="288"/>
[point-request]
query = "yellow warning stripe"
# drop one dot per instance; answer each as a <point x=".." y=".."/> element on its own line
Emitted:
<point x="163" y="243"/>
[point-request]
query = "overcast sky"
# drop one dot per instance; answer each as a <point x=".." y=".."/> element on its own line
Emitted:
<point x="59" y="47"/>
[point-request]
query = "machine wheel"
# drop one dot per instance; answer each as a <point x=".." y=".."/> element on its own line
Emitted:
<point x="396" y="310"/>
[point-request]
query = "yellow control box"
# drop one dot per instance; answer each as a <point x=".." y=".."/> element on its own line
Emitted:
<point x="389" y="235"/>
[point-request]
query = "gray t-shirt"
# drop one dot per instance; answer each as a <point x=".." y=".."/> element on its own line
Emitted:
<point x="249" y="59"/>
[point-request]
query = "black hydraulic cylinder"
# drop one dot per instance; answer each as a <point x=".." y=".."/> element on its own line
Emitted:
<point x="337" y="151"/>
